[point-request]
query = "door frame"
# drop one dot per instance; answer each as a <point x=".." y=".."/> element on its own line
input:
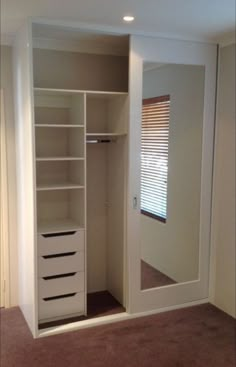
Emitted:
<point x="4" y="213"/>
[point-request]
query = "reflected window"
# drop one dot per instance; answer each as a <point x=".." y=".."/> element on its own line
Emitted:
<point x="154" y="156"/>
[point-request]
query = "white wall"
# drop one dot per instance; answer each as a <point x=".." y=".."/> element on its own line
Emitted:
<point x="7" y="86"/>
<point x="222" y="285"/>
<point x="173" y="247"/>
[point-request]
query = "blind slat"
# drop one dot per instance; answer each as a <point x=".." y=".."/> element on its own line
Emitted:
<point x="154" y="155"/>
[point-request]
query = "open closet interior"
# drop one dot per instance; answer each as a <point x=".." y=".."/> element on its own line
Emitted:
<point x="81" y="119"/>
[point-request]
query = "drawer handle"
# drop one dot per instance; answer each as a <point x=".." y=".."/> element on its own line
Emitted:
<point x="58" y="297"/>
<point x="59" y="276"/>
<point x="48" y="235"/>
<point x="59" y="255"/>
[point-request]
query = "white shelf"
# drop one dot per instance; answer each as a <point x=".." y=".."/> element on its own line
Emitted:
<point x="53" y="91"/>
<point x="58" y="225"/>
<point x="59" y="125"/>
<point x="59" y="186"/>
<point x="44" y="159"/>
<point x="105" y="134"/>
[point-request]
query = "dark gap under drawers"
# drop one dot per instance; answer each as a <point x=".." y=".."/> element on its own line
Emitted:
<point x="58" y="234"/>
<point x="50" y="277"/>
<point x="59" y="297"/>
<point x="63" y="254"/>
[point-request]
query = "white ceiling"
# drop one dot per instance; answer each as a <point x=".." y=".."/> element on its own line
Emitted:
<point x="203" y="20"/>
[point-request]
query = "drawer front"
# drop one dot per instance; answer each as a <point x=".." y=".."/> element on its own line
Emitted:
<point x="69" y="263"/>
<point x="58" y="243"/>
<point x="63" y="285"/>
<point x="62" y="307"/>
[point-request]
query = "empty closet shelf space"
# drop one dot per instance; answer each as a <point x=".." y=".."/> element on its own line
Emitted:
<point x="98" y="138"/>
<point x="62" y="225"/>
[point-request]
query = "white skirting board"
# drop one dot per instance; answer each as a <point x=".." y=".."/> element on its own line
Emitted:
<point x="124" y="316"/>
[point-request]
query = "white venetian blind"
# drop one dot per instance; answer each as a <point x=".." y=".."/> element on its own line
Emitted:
<point x="154" y="156"/>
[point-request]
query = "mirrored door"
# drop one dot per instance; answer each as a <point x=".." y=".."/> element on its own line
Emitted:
<point x="172" y="96"/>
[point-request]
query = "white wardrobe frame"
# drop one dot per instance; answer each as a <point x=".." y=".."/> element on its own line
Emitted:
<point x="137" y="303"/>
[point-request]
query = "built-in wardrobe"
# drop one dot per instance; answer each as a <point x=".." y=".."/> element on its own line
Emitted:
<point x="77" y="105"/>
<point x="79" y="162"/>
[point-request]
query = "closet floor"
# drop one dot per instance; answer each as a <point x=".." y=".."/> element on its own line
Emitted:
<point x="152" y="278"/>
<point x="98" y="304"/>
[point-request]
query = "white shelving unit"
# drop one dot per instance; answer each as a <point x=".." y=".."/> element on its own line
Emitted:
<point x="60" y="187"/>
<point x="74" y="183"/>
<point x="105" y="134"/>
<point x="58" y="125"/>
<point x="59" y="158"/>
<point x="72" y="180"/>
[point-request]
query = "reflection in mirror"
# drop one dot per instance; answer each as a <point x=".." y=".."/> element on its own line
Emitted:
<point x="171" y="150"/>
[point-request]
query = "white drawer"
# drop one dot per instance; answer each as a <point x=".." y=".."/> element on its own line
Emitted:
<point x="68" y="263"/>
<point x="57" y="243"/>
<point x="62" y="306"/>
<point x="62" y="285"/>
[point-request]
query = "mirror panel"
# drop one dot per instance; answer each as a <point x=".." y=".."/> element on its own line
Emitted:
<point x="171" y="152"/>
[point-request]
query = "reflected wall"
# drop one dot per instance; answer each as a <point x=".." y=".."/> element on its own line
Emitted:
<point x="170" y="248"/>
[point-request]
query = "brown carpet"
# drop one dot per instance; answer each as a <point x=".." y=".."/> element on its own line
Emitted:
<point x="200" y="336"/>
<point x="98" y="304"/>
<point x="152" y="278"/>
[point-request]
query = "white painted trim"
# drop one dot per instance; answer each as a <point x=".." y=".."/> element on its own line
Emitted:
<point x="113" y="318"/>
<point x="85" y="203"/>
<point x="8" y="39"/>
<point x="214" y="258"/>
<point x="4" y="215"/>
<point x="212" y="271"/>
<point x="53" y="91"/>
<point x="124" y="29"/>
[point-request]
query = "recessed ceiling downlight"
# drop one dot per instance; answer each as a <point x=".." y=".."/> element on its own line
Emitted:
<point x="128" y="18"/>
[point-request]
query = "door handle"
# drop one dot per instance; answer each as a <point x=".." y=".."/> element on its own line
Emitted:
<point x="135" y="202"/>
